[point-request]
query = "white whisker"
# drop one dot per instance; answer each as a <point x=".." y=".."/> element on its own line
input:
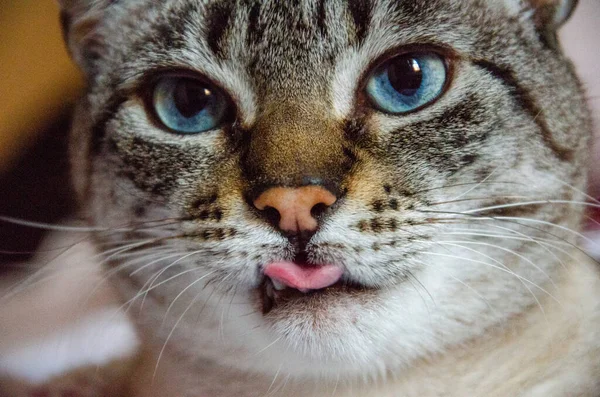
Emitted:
<point x="162" y="350"/>
<point x="529" y="203"/>
<point x="440" y="268"/>
<point x="532" y="220"/>
<point x="264" y="349"/>
<point x="183" y="291"/>
<point x="162" y="271"/>
<point x="501" y="268"/>
<point x="512" y="252"/>
<point x="591" y="198"/>
<point x="144" y="292"/>
<point x="477" y="185"/>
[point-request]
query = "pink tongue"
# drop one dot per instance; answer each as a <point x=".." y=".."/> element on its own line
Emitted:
<point x="304" y="277"/>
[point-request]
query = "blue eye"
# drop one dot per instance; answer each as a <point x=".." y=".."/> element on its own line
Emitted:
<point x="407" y="82"/>
<point x="187" y="105"/>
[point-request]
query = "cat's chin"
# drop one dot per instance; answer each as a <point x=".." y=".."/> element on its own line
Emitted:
<point x="324" y="333"/>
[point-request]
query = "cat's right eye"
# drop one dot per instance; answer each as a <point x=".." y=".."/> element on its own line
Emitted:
<point x="187" y="105"/>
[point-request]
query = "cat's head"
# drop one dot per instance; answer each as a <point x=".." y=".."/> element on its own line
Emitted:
<point x="421" y="156"/>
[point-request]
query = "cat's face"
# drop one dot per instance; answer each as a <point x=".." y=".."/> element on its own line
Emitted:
<point x="400" y="130"/>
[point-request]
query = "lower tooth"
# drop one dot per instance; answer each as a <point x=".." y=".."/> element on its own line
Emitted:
<point x="277" y="285"/>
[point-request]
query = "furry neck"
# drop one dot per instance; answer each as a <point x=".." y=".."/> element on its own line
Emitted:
<point x="549" y="350"/>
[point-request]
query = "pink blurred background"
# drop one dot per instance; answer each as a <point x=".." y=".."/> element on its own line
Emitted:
<point x="581" y="40"/>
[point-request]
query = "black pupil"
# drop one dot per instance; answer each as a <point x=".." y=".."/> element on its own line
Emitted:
<point x="191" y="97"/>
<point x="405" y="75"/>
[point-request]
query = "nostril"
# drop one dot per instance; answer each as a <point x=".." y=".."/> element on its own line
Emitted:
<point x="271" y="215"/>
<point x="318" y="210"/>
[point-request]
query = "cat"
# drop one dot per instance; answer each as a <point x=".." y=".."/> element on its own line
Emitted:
<point x="350" y="198"/>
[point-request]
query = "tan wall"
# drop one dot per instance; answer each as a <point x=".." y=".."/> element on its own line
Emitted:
<point x="37" y="78"/>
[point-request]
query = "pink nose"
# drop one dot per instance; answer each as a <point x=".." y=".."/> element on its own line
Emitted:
<point x="294" y="205"/>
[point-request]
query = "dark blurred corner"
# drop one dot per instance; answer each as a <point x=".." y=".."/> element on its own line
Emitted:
<point x="38" y="88"/>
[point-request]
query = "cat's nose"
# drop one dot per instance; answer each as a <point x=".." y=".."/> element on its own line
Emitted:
<point x="297" y="207"/>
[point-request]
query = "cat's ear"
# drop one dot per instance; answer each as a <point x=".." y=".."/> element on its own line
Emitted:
<point x="546" y="15"/>
<point x="80" y="21"/>
<point x="551" y="14"/>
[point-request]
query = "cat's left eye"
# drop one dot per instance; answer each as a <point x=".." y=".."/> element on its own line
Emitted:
<point x="407" y="82"/>
<point x="188" y="106"/>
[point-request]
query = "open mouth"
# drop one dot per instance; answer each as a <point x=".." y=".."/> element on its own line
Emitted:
<point x="287" y="282"/>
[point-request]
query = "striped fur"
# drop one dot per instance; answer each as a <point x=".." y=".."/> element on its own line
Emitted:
<point x="511" y="127"/>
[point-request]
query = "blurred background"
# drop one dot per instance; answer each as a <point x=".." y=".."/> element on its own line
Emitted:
<point x="39" y="86"/>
